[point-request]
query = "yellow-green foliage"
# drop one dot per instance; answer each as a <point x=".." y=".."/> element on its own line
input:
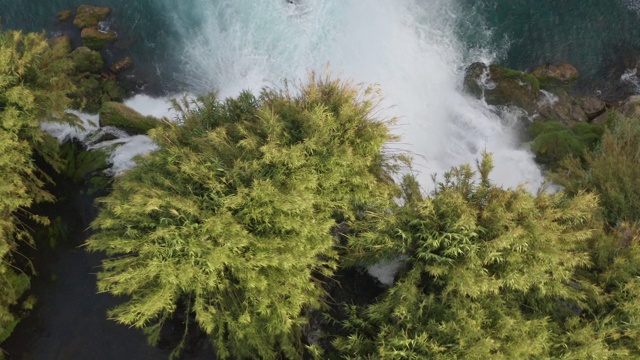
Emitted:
<point x="232" y="217"/>
<point x="612" y="171"/>
<point x="33" y="88"/>
<point x="491" y="275"/>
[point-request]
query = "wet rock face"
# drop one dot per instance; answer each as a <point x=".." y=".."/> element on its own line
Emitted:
<point x="502" y="86"/>
<point x="89" y="16"/>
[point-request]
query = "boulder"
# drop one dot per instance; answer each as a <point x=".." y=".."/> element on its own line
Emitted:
<point x="553" y="76"/>
<point x="565" y="109"/>
<point x="87" y="60"/>
<point x="592" y="106"/>
<point x="502" y="86"/>
<point x="89" y="16"/>
<point x="123" y="117"/>
<point x="121" y="65"/>
<point x="64" y="15"/>
<point x="631" y="106"/>
<point x="95" y="39"/>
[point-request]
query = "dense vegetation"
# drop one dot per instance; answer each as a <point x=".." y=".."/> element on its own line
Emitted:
<point x="232" y="218"/>
<point x="237" y="224"/>
<point x="33" y="88"/>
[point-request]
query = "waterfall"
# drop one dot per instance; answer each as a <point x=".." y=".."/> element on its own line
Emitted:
<point x="409" y="48"/>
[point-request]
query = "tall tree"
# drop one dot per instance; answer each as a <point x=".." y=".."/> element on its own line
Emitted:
<point x="33" y="88"/>
<point x="230" y="220"/>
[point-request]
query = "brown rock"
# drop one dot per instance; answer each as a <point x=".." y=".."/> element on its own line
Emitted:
<point x="121" y="65"/>
<point x="631" y="106"/>
<point x="592" y="106"/>
<point x="566" y="109"/>
<point x="95" y="39"/>
<point x="551" y="76"/>
<point x="88" y="15"/>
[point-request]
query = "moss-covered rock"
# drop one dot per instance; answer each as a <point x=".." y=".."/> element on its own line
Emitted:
<point x="503" y="86"/>
<point x="95" y="39"/>
<point x="111" y="91"/>
<point x="80" y="164"/>
<point x="556" y="76"/>
<point x="88" y="93"/>
<point x="88" y="15"/>
<point x="554" y="141"/>
<point x="87" y="60"/>
<point x="123" y="117"/>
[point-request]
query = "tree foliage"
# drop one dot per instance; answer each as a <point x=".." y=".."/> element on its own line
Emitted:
<point x="230" y="220"/>
<point x="492" y="274"/>
<point x="33" y="88"/>
<point x="612" y="171"/>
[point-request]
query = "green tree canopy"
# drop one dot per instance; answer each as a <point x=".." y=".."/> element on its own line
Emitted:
<point x="492" y="274"/>
<point x="230" y="220"/>
<point x="33" y="88"/>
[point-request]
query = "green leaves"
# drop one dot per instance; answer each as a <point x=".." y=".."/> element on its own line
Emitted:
<point x="490" y="271"/>
<point x="234" y="214"/>
<point x="33" y="88"/>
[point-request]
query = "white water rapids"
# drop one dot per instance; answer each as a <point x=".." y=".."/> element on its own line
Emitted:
<point x="409" y="48"/>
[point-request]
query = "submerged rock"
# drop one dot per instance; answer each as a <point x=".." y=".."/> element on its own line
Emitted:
<point x="121" y="65"/>
<point x="64" y="15"/>
<point x="95" y="39"/>
<point x="125" y="118"/>
<point x="89" y="16"/>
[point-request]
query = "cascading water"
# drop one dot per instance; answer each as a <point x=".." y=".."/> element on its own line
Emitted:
<point x="407" y="47"/>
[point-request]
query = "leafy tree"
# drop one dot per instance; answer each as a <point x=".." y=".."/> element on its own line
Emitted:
<point x="491" y="274"/>
<point x="33" y="88"/>
<point x="231" y="220"/>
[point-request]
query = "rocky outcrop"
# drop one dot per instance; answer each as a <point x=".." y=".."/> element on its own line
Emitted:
<point x="95" y="39"/>
<point x="90" y="16"/>
<point x="502" y="86"/>
<point x="556" y="76"/>
<point x="123" y="117"/>
<point x="541" y="93"/>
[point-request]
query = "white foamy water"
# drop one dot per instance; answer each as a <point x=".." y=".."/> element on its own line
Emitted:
<point x="124" y="148"/>
<point x="407" y="47"/>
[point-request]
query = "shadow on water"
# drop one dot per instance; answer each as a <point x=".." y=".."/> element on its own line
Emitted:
<point x="69" y="320"/>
